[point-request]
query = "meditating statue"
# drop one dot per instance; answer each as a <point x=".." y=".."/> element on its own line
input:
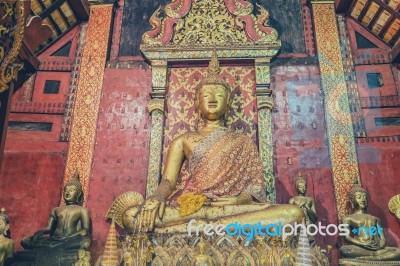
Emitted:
<point x="367" y="242"/>
<point x="67" y="230"/>
<point x="307" y="204"/>
<point x="202" y="259"/>
<point x="226" y="182"/>
<point x="6" y="244"/>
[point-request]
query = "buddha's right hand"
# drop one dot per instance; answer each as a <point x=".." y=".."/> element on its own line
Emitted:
<point x="151" y="207"/>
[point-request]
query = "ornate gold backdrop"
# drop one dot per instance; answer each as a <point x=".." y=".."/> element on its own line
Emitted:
<point x="181" y="111"/>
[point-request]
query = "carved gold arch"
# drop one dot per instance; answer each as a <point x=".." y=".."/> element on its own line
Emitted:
<point x="189" y="30"/>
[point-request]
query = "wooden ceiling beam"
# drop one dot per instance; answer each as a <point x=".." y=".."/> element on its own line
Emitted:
<point x="386" y="26"/>
<point x="387" y="8"/>
<point x="53" y="7"/>
<point x="395" y="38"/>
<point x="364" y="10"/>
<point x="342" y="6"/>
<point x="80" y="8"/>
<point x="375" y="18"/>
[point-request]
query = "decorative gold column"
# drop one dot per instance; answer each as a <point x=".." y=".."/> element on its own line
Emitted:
<point x="265" y="105"/>
<point x="90" y="83"/>
<point x="338" y="118"/>
<point x="156" y="109"/>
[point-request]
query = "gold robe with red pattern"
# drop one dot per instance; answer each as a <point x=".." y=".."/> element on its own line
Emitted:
<point x="224" y="164"/>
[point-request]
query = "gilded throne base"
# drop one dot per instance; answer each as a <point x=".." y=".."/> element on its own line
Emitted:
<point x="181" y="249"/>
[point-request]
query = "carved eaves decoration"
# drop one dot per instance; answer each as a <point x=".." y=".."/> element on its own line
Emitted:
<point x="199" y="24"/>
<point x="11" y="36"/>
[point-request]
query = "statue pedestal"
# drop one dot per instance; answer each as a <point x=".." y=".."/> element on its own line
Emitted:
<point x="41" y="257"/>
<point x="181" y="249"/>
<point x="355" y="262"/>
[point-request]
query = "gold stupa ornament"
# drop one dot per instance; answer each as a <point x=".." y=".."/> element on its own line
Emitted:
<point x="110" y="255"/>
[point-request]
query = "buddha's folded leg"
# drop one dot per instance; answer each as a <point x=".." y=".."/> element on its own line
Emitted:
<point x="253" y="213"/>
<point x="388" y="254"/>
<point x="353" y="251"/>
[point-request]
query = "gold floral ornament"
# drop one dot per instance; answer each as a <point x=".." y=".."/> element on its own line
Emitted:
<point x="394" y="205"/>
<point x="125" y="209"/>
<point x="190" y="203"/>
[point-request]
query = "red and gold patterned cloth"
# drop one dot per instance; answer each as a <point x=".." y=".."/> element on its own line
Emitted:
<point x="226" y="163"/>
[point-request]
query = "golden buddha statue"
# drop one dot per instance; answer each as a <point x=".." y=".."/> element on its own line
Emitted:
<point x="368" y="241"/>
<point x="226" y="183"/>
<point x="6" y="244"/>
<point x="202" y="259"/>
<point x="68" y="231"/>
<point x="307" y="204"/>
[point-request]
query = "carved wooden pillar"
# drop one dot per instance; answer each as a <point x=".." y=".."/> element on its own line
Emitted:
<point x="87" y="103"/>
<point x="337" y="108"/>
<point x="265" y="105"/>
<point x="156" y="108"/>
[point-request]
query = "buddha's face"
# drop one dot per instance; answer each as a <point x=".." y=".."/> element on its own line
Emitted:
<point x="71" y="194"/>
<point x="302" y="187"/>
<point x="360" y="200"/>
<point x="213" y="101"/>
<point x="3" y="226"/>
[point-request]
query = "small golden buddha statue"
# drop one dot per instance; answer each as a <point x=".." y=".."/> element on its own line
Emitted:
<point x="68" y="231"/>
<point x="202" y="259"/>
<point x="307" y="204"/>
<point x="226" y="180"/>
<point x="83" y="258"/>
<point x="6" y="244"/>
<point x="362" y="244"/>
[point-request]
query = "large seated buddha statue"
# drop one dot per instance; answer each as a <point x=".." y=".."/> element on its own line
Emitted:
<point x="226" y="181"/>
<point x="365" y="244"/>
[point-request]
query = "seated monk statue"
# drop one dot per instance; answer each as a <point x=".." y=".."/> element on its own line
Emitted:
<point x="369" y="246"/>
<point x="6" y="244"/>
<point x="68" y="226"/>
<point x="226" y="182"/>
<point x="307" y="204"/>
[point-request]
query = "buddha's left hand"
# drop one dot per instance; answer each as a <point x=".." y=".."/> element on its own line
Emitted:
<point x="240" y="199"/>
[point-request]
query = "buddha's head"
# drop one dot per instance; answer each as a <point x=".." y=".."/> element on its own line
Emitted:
<point x="213" y="93"/>
<point x="301" y="185"/>
<point x="73" y="190"/>
<point x="4" y="222"/>
<point x="358" y="197"/>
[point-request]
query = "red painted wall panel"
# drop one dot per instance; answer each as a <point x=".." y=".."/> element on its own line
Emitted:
<point x="30" y="187"/>
<point x="380" y="168"/>
<point x="122" y="145"/>
<point x="300" y="140"/>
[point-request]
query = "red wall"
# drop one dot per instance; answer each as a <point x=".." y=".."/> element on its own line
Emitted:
<point x="300" y="140"/>
<point x="33" y="167"/>
<point x="31" y="180"/>
<point x="379" y="166"/>
<point x="122" y="145"/>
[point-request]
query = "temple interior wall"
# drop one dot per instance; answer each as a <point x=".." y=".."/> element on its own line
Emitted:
<point x="34" y="161"/>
